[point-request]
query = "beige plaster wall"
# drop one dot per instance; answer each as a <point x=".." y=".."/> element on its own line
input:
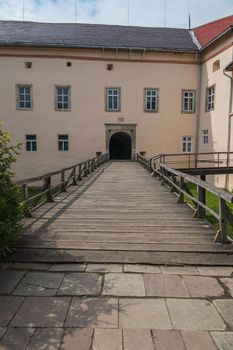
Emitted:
<point x="155" y="133"/>
<point x="216" y="121"/>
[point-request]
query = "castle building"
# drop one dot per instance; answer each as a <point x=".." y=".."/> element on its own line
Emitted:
<point x="69" y="91"/>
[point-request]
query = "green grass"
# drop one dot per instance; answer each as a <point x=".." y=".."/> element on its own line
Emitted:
<point x="33" y="191"/>
<point x="211" y="202"/>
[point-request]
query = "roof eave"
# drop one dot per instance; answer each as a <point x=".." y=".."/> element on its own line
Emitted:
<point x="50" y="45"/>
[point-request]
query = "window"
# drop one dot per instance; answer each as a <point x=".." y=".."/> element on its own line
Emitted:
<point x="28" y="65"/>
<point x="210" y="98"/>
<point x="63" y="142"/>
<point x="68" y="64"/>
<point x="151" y="100"/>
<point x="216" y="65"/>
<point x="113" y="99"/>
<point x="24" y="96"/>
<point x="187" y="144"/>
<point x="205" y="137"/>
<point x="31" y="143"/>
<point x="63" y="98"/>
<point x="110" y="66"/>
<point x="188" y="101"/>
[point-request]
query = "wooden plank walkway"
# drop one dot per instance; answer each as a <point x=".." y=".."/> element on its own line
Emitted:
<point x="120" y="215"/>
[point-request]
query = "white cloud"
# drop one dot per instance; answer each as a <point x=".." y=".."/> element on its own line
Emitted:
<point x="143" y="13"/>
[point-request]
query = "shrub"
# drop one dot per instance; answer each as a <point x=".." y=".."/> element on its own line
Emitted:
<point x="10" y="209"/>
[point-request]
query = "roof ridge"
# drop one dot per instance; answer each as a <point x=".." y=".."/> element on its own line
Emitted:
<point x="92" y="24"/>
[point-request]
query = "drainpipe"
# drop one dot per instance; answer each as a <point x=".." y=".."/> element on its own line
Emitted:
<point x="198" y="109"/>
<point x="230" y="115"/>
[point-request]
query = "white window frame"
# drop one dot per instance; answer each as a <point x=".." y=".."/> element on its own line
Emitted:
<point x="24" y="95"/>
<point x="63" y="140"/>
<point x="151" y="97"/>
<point x="187" y="144"/>
<point x="205" y="136"/>
<point x="31" y="142"/>
<point x="189" y="99"/>
<point x="60" y="98"/>
<point x="113" y="94"/>
<point x="210" y="98"/>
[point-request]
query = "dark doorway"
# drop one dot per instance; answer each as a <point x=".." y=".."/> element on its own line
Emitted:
<point x="120" y="146"/>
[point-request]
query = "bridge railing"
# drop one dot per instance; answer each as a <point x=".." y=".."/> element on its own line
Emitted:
<point x="195" y="160"/>
<point x="179" y="183"/>
<point x="41" y="189"/>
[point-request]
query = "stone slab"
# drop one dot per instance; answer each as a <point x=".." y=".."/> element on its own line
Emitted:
<point x="74" y="339"/>
<point x="46" y="339"/>
<point x="142" y="268"/>
<point x="31" y="266"/>
<point x="81" y="284"/>
<point x="180" y="270"/>
<point x="8" y="307"/>
<point x="106" y="339"/>
<point x="104" y="268"/>
<point x="215" y="270"/>
<point x="42" y="312"/>
<point x="225" y="307"/>
<point x="203" y="287"/>
<point x="67" y="267"/>
<point x="9" y="280"/>
<point x="223" y="340"/>
<point x="198" y="340"/>
<point x="2" y="331"/>
<point x="137" y="339"/>
<point x="165" y="286"/>
<point x="193" y="314"/>
<point x="16" y="338"/>
<point x="39" y="284"/>
<point x="168" y="340"/>
<point x="228" y="282"/>
<point x="93" y="312"/>
<point x="120" y="284"/>
<point x="143" y="313"/>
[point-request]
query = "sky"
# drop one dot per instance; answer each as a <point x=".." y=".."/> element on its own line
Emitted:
<point x="142" y="12"/>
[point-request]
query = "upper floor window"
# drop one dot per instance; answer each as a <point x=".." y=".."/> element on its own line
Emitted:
<point x="210" y="98"/>
<point x="151" y="100"/>
<point x="62" y="98"/>
<point x="24" y="96"/>
<point x="63" y="142"/>
<point x="205" y="136"/>
<point x="187" y="144"/>
<point x="31" y="143"/>
<point x="113" y="99"/>
<point x="188" y="101"/>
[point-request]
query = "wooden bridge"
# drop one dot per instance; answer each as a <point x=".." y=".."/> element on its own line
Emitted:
<point x="118" y="212"/>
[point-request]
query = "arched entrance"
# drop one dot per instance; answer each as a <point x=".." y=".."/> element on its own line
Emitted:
<point x="120" y="146"/>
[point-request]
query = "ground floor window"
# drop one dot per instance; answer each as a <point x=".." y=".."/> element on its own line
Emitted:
<point x="63" y="142"/>
<point x="187" y="144"/>
<point x="31" y="143"/>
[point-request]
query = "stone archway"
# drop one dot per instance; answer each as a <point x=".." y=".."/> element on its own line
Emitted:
<point x="120" y="146"/>
<point x="129" y="129"/>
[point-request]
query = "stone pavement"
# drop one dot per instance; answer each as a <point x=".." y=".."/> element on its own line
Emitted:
<point x="115" y="307"/>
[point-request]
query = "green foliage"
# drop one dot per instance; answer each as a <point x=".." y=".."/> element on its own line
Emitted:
<point x="10" y="209"/>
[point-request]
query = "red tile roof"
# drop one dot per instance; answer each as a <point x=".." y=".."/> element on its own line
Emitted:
<point x="207" y="32"/>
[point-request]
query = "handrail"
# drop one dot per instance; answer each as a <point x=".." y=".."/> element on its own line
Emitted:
<point x="193" y="158"/>
<point x="78" y="171"/>
<point x="177" y="182"/>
